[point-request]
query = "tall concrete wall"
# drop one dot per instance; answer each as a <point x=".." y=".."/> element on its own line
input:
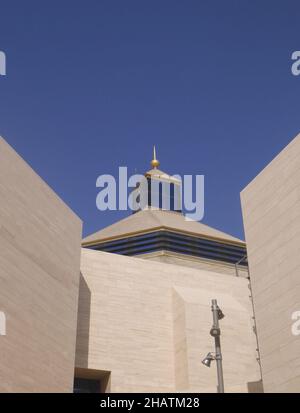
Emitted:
<point x="39" y="277"/>
<point x="148" y="323"/>
<point x="271" y="211"/>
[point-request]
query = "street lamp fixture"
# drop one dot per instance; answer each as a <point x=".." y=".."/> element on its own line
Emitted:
<point x="208" y="359"/>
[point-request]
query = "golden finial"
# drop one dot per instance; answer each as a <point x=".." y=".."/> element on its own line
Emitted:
<point x="154" y="162"/>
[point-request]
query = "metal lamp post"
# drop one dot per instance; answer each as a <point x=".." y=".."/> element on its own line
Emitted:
<point x="216" y="333"/>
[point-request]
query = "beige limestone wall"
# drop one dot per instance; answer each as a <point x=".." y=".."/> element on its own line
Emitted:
<point x="271" y="211"/>
<point x="39" y="278"/>
<point x="148" y="324"/>
<point x="185" y="260"/>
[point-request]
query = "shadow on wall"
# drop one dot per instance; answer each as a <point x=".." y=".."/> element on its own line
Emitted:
<point x="87" y="380"/>
<point x="255" y="387"/>
<point x="83" y="324"/>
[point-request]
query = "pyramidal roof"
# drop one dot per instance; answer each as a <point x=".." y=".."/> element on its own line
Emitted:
<point x="149" y="220"/>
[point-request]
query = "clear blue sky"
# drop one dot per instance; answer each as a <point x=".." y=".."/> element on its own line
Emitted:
<point x="91" y="85"/>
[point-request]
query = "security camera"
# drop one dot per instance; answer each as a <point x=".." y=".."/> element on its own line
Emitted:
<point x="220" y="314"/>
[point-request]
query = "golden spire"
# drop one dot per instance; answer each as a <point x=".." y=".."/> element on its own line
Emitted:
<point x="154" y="162"/>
